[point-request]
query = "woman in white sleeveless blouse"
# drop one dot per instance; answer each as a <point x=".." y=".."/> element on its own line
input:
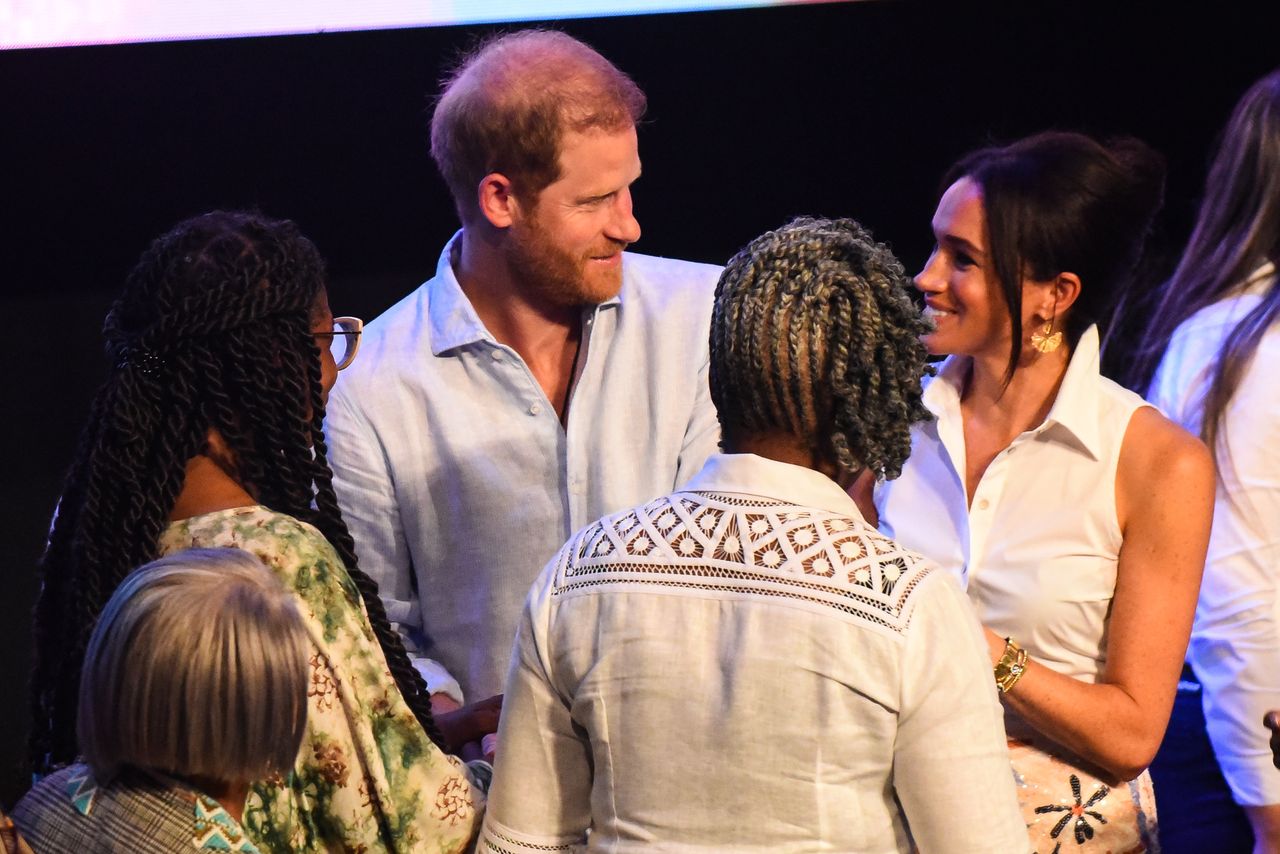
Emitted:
<point x="1075" y="516"/>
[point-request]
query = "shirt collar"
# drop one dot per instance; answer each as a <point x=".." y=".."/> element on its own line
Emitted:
<point x="82" y="789"/>
<point x="941" y="394"/>
<point x="212" y="827"/>
<point x="748" y="474"/>
<point x="454" y="322"/>
<point x="215" y="829"/>
<point x="1074" y="411"/>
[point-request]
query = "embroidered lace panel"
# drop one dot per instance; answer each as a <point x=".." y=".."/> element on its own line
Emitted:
<point x="735" y="544"/>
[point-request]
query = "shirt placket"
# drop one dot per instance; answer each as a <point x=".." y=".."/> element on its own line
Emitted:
<point x="529" y="400"/>
<point x="951" y="434"/>
<point x="577" y="462"/>
<point x="986" y="500"/>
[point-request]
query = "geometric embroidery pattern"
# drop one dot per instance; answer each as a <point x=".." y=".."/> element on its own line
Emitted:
<point x="81" y="788"/>
<point x="213" y="827"/>
<point x="492" y="838"/>
<point x="710" y="541"/>
<point x="216" y="830"/>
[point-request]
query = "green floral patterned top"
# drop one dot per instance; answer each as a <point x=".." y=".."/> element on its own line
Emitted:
<point x="368" y="779"/>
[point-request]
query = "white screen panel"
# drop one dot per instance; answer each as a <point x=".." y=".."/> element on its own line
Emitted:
<point x="56" y="23"/>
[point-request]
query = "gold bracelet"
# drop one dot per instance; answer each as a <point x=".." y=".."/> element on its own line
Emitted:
<point x="1011" y="666"/>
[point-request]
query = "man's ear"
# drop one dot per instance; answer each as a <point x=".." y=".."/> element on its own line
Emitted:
<point x="497" y="201"/>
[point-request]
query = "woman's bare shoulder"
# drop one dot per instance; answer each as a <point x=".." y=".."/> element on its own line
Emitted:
<point x="1160" y="461"/>
<point x="1159" y="442"/>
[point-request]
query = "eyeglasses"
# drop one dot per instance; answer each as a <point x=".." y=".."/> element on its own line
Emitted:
<point x="344" y="340"/>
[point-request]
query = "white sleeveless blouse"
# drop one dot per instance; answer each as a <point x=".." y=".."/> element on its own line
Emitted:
<point x="1038" y="549"/>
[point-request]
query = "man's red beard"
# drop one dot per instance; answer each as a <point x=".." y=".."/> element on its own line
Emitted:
<point x="551" y="275"/>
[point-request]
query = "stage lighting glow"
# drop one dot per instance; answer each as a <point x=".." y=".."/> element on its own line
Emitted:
<point x="41" y="23"/>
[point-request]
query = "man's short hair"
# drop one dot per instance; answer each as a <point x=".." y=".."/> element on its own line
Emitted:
<point x="813" y="335"/>
<point x="197" y="667"/>
<point x="508" y="104"/>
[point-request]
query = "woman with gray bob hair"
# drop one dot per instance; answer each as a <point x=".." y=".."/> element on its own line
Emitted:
<point x="194" y="685"/>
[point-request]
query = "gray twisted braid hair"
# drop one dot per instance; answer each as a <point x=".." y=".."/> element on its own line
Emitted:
<point x="814" y="335"/>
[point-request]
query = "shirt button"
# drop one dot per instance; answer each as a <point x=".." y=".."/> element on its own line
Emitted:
<point x="535" y="409"/>
<point x="983" y="504"/>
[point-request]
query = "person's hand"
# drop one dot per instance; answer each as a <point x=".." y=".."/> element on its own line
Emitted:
<point x="442" y="702"/>
<point x="1272" y="722"/>
<point x="471" y="722"/>
<point x="486" y="749"/>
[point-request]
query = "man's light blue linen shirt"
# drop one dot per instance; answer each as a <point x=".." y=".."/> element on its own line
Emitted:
<point x="459" y="482"/>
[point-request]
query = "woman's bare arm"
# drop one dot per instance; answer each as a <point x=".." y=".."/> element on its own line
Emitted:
<point x="1164" y="498"/>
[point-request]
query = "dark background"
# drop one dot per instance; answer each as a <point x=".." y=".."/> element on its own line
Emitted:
<point x="756" y="115"/>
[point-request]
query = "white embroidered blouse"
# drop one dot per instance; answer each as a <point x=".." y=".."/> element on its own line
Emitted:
<point x="747" y="665"/>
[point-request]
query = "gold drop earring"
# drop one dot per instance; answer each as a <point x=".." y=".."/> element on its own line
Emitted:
<point x="1045" y="340"/>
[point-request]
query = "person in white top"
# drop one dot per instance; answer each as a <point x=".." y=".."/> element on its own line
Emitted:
<point x="1220" y="319"/>
<point x="1075" y="515"/>
<point x="747" y="665"/>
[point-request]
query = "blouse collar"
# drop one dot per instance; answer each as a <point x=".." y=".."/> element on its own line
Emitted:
<point x="749" y="474"/>
<point x="1074" y="415"/>
<point x="212" y="827"/>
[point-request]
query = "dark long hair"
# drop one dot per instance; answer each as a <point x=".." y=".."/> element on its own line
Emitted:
<point x="1062" y="202"/>
<point x="212" y="331"/>
<point x="1236" y="231"/>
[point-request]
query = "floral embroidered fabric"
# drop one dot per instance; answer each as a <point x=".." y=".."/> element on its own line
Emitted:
<point x="367" y="778"/>
<point x="1068" y="809"/>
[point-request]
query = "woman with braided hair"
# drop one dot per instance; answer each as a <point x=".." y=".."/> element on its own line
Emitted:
<point x="747" y="665"/>
<point x="207" y="432"/>
<point x="1076" y="516"/>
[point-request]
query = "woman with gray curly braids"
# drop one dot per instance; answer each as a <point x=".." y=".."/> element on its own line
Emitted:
<point x="643" y="700"/>
<point x="846" y="385"/>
